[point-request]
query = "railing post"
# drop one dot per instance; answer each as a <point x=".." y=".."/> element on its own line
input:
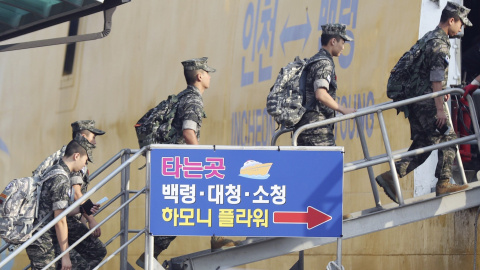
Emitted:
<point x="339" y="252"/>
<point x="124" y="215"/>
<point x="148" y="236"/>
<point x="393" y="169"/>
<point x="366" y="154"/>
<point x="458" y="157"/>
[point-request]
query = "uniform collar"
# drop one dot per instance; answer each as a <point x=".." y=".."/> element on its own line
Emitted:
<point x="325" y="52"/>
<point x="195" y="89"/>
<point x="441" y="33"/>
<point x="64" y="165"/>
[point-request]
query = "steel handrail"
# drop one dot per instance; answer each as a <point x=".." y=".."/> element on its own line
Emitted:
<point x="73" y="206"/>
<point x="390" y="156"/>
<point x="384" y="158"/>
<point x="94" y="228"/>
<point x="92" y="176"/>
<point x="374" y="109"/>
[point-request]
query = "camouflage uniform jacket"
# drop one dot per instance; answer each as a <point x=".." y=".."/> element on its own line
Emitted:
<point x="324" y="69"/>
<point x="190" y="107"/>
<point x="77" y="178"/>
<point x="81" y="178"/>
<point x="55" y="194"/>
<point x="435" y="67"/>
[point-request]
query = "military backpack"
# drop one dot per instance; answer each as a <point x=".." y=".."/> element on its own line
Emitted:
<point x="156" y="125"/>
<point x="49" y="161"/>
<point x="286" y="100"/>
<point x="405" y="77"/>
<point x="19" y="206"/>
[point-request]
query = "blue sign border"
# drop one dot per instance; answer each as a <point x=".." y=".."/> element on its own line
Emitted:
<point x="298" y="180"/>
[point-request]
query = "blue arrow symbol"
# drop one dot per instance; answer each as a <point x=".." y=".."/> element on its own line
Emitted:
<point x="3" y="146"/>
<point x="296" y="32"/>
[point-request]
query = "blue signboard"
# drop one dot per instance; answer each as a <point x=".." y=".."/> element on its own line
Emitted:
<point x="247" y="192"/>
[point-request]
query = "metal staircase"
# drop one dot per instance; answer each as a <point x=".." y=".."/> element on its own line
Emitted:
<point x="379" y="218"/>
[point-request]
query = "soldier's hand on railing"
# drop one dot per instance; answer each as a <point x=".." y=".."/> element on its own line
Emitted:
<point x="446" y="97"/>
<point x="345" y="110"/>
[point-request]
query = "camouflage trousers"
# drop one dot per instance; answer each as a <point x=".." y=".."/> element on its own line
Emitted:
<point x="422" y="125"/>
<point x="322" y="136"/>
<point x="160" y="243"/>
<point x="90" y="252"/>
<point x="42" y="251"/>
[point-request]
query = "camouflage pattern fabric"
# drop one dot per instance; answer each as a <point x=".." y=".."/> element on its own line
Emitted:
<point x="91" y="251"/>
<point x="422" y="120"/>
<point x="49" y="161"/>
<point x="422" y="114"/>
<point x="19" y="204"/>
<point x="55" y="195"/>
<point x="459" y="10"/>
<point x="86" y="125"/>
<point x="197" y="63"/>
<point x="161" y="243"/>
<point x="88" y="253"/>
<point x="336" y="29"/>
<point x="411" y="75"/>
<point x="81" y="178"/>
<point x="317" y="111"/>
<point x="85" y="144"/>
<point x="42" y="251"/>
<point x="190" y="107"/>
<point x="156" y="125"/>
<point x="321" y="136"/>
<point x="285" y="102"/>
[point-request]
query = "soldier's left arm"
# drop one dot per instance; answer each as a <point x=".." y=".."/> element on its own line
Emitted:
<point x="438" y="57"/>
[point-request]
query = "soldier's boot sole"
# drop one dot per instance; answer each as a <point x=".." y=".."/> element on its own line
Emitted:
<point x="387" y="187"/>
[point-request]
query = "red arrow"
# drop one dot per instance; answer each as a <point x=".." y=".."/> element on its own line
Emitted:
<point x="313" y="217"/>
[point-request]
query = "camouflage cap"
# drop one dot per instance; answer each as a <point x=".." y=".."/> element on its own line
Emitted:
<point x="86" y="145"/>
<point x="197" y="63"/>
<point x="86" y="125"/>
<point x="460" y="10"/>
<point x="336" y="29"/>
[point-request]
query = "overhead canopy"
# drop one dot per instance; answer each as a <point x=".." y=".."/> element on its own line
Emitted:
<point x="19" y="17"/>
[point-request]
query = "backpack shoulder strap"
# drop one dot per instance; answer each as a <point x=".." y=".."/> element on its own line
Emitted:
<point x="53" y="171"/>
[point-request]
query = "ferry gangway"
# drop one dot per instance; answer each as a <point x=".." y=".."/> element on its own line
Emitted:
<point x="380" y="217"/>
<point x="367" y="221"/>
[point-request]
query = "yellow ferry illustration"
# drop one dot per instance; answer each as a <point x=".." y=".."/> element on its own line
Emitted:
<point x="255" y="170"/>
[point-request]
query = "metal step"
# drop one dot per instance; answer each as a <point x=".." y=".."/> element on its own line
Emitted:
<point x="361" y="223"/>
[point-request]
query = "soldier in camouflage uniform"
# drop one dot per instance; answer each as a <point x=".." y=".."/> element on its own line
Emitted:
<point x="92" y="250"/>
<point x="55" y="197"/>
<point x="321" y="88"/>
<point x="187" y="122"/>
<point x="426" y="117"/>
